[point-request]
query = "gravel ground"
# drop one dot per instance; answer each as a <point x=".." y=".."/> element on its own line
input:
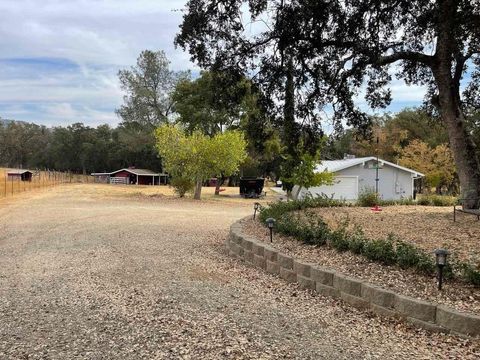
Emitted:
<point x="89" y="276"/>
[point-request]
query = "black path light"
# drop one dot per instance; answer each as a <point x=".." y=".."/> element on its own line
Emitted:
<point x="256" y="207"/>
<point x="441" y="261"/>
<point x="270" y="223"/>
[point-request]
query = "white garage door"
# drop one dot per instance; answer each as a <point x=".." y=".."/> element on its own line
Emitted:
<point x="344" y="187"/>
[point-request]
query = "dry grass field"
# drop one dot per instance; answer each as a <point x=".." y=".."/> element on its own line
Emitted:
<point x="41" y="179"/>
<point x="44" y="180"/>
<point x="153" y="193"/>
<point x="428" y="227"/>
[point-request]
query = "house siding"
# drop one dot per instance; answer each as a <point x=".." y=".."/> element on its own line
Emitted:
<point x="394" y="184"/>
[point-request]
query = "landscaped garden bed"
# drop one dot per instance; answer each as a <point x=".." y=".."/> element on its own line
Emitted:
<point x="405" y="270"/>
<point x="427" y="227"/>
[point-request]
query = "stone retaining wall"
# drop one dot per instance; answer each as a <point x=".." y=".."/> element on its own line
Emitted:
<point x="353" y="291"/>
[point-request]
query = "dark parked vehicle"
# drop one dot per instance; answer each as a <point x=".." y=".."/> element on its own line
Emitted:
<point x="251" y="187"/>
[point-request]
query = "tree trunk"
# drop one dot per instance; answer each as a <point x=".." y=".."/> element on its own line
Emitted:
<point x="198" y="190"/>
<point x="461" y="144"/>
<point x="449" y="104"/>
<point x="218" y="184"/>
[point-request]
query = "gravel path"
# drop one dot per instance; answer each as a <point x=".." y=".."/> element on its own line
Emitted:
<point x="84" y="275"/>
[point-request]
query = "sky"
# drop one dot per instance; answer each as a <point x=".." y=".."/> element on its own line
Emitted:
<point x="59" y="59"/>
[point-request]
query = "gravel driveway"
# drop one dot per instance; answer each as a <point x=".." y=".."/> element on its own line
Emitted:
<point x="84" y="275"/>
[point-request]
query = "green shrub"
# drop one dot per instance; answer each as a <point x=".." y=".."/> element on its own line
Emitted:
<point x="311" y="229"/>
<point x="407" y="255"/>
<point x="357" y="241"/>
<point x="182" y="185"/>
<point x="339" y="239"/>
<point x="426" y="264"/>
<point x="424" y="200"/>
<point x="470" y="274"/>
<point x="277" y="209"/>
<point x="380" y="250"/>
<point x="368" y="198"/>
<point x="407" y="201"/>
<point x="437" y="200"/>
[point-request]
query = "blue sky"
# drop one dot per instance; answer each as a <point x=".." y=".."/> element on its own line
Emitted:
<point x="59" y="58"/>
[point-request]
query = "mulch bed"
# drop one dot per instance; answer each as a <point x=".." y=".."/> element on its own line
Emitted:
<point x="426" y="227"/>
<point x="455" y="294"/>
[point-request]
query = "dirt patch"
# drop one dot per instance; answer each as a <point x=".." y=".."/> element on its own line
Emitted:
<point x="427" y="227"/>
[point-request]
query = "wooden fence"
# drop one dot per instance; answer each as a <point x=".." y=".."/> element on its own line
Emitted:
<point x="9" y="185"/>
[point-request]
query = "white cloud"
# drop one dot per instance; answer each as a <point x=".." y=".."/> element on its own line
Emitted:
<point x="88" y="42"/>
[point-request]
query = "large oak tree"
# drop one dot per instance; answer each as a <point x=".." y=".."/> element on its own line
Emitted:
<point x="337" y="50"/>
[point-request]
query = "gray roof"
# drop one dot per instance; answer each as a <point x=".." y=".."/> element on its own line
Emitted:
<point x="337" y="165"/>
<point x="140" y="172"/>
<point x="19" y="172"/>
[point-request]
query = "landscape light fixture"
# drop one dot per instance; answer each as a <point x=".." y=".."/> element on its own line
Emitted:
<point x="270" y="223"/>
<point x="441" y="261"/>
<point x="256" y="207"/>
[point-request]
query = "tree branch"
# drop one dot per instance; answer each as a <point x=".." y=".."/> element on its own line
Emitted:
<point x="405" y="55"/>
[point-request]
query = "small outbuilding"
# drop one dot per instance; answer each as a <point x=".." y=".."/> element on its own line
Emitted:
<point x="354" y="175"/>
<point x="20" y="175"/>
<point x="131" y="176"/>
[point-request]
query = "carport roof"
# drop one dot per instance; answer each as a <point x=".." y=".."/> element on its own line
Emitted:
<point x="19" y="172"/>
<point x="139" y="172"/>
<point x="337" y="165"/>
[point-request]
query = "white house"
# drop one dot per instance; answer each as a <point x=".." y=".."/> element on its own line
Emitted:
<point x="354" y="175"/>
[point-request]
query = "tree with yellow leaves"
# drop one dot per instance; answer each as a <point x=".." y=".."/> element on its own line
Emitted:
<point x="436" y="163"/>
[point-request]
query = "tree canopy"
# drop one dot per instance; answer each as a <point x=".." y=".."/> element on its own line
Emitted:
<point x="337" y="50"/>
<point x="76" y="147"/>
<point x="148" y="87"/>
<point x="436" y="163"/>
<point x="211" y="103"/>
<point x="198" y="157"/>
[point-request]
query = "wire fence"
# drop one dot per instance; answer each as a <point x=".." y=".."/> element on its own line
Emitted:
<point x="14" y="182"/>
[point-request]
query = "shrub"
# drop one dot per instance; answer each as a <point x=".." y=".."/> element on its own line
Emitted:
<point x="181" y="186"/>
<point x="368" y="198"/>
<point x="407" y="255"/>
<point x="470" y="274"/>
<point x="357" y="241"/>
<point x="312" y="230"/>
<point x="277" y="209"/>
<point x="339" y="239"/>
<point x="437" y="200"/>
<point x="380" y="250"/>
<point x="426" y="264"/>
<point x="424" y="200"/>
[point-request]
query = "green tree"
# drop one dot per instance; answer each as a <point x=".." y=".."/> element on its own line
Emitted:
<point x="305" y="176"/>
<point x="197" y="157"/>
<point x="338" y="47"/>
<point x="212" y="103"/>
<point x="148" y="87"/>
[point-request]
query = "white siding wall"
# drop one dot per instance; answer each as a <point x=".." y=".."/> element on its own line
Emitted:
<point x="394" y="183"/>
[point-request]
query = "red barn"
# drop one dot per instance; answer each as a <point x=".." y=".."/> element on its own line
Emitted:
<point x="131" y="176"/>
<point x="20" y="175"/>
